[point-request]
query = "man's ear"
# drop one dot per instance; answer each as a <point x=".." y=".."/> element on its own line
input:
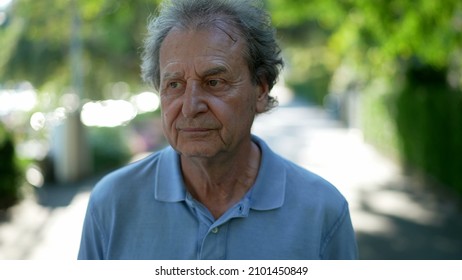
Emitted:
<point x="262" y="96"/>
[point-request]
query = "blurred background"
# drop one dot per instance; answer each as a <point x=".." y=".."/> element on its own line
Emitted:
<point x="371" y="98"/>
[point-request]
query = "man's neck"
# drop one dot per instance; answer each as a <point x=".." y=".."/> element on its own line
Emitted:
<point x="219" y="184"/>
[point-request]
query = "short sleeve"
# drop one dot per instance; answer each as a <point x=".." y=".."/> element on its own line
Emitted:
<point x="340" y="242"/>
<point x="92" y="240"/>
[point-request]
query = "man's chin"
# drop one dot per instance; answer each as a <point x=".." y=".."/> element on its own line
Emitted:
<point x="205" y="152"/>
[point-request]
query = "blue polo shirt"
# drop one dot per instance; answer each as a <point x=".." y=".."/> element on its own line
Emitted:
<point x="143" y="211"/>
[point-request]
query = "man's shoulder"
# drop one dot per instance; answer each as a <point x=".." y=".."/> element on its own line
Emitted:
<point x="310" y="188"/>
<point x="133" y="169"/>
<point x="124" y="180"/>
<point x="309" y="192"/>
<point x="303" y="177"/>
<point x="299" y="180"/>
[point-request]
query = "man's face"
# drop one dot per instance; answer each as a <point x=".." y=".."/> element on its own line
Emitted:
<point x="208" y="99"/>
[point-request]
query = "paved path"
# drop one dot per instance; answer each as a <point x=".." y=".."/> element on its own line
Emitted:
<point x="394" y="217"/>
<point x="46" y="225"/>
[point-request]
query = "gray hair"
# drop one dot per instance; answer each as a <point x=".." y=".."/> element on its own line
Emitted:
<point x="247" y="16"/>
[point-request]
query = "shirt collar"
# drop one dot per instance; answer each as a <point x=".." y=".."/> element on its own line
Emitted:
<point x="267" y="193"/>
<point x="169" y="186"/>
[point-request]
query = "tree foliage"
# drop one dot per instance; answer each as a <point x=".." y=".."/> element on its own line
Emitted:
<point x="383" y="31"/>
<point x="39" y="36"/>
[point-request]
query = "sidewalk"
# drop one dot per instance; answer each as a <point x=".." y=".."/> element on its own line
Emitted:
<point x="395" y="217"/>
<point x="46" y="225"/>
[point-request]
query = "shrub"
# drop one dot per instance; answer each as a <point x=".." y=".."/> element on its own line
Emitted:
<point x="109" y="147"/>
<point x="10" y="179"/>
<point x="430" y="128"/>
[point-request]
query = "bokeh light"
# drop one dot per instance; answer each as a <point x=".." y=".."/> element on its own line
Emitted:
<point x="107" y="113"/>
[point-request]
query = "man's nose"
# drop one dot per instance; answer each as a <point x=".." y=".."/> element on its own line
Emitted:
<point x="193" y="100"/>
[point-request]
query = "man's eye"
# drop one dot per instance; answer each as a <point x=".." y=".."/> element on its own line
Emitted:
<point x="214" y="83"/>
<point x="174" y="85"/>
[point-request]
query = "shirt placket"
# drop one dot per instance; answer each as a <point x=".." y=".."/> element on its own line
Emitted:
<point x="213" y="234"/>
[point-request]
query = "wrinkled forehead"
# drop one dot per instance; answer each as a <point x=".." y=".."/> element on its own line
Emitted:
<point x="196" y="47"/>
<point x="221" y="22"/>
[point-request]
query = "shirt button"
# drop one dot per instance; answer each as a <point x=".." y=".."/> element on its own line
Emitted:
<point x="215" y="230"/>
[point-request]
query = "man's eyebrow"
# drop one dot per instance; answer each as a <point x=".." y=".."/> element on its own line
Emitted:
<point x="170" y="75"/>
<point x="215" y="71"/>
<point x="207" y="73"/>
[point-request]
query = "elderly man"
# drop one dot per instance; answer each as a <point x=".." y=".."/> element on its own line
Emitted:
<point x="218" y="192"/>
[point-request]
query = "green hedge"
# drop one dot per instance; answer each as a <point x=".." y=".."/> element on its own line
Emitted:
<point x="109" y="147"/>
<point x="378" y="122"/>
<point x="418" y="122"/>
<point x="10" y="174"/>
<point x="429" y="122"/>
